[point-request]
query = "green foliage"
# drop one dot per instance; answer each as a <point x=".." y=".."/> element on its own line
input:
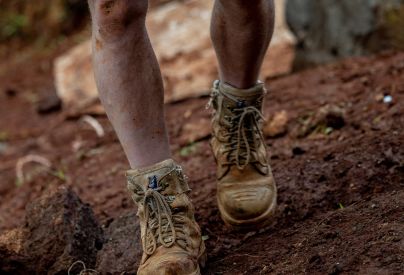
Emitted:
<point x="12" y="24"/>
<point x="45" y="20"/>
<point x="188" y="150"/>
<point x="60" y="174"/>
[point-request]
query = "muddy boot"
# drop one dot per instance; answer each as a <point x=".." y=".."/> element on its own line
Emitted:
<point x="171" y="238"/>
<point x="246" y="190"/>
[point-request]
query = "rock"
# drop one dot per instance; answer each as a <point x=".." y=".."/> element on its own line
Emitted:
<point x="59" y="230"/>
<point x="122" y="250"/>
<point x="324" y="120"/>
<point x="12" y="260"/>
<point x="331" y="116"/>
<point x="278" y="125"/>
<point x="49" y="104"/>
<point x="12" y="240"/>
<point x="298" y="151"/>
<point x="62" y="230"/>
<point x="74" y="79"/>
<point x="188" y="64"/>
<point x="327" y="30"/>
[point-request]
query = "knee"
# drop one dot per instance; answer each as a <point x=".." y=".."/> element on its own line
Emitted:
<point x="113" y="18"/>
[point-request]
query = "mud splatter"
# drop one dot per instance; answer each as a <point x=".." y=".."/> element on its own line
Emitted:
<point x="107" y="7"/>
<point x="98" y="44"/>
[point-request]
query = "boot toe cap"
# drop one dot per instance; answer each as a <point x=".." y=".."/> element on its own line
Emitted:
<point x="170" y="264"/>
<point x="244" y="203"/>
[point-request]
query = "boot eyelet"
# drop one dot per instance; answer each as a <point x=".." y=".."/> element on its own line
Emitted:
<point x="171" y="198"/>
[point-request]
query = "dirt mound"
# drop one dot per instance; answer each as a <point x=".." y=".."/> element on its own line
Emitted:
<point x="338" y="162"/>
<point x="59" y="230"/>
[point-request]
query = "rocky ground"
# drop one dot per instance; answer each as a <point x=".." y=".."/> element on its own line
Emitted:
<point x="334" y="137"/>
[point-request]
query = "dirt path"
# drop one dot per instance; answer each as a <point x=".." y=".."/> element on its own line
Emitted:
<point x="339" y="168"/>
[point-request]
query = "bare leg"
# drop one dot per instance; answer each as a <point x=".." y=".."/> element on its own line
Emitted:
<point x="241" y="31"/>
<point x="129" y="80"/>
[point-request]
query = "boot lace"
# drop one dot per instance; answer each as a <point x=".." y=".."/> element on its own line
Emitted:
<point x="243" y="134"/>
<point x="163" y="226"/>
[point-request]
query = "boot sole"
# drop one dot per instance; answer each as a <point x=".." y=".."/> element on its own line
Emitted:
<point x="257" y="222"/>
<point x="202" y="258"/>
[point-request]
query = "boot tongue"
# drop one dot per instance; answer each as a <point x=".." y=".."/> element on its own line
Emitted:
<point x="146" y="175"/>
<point x="165" y="176"/>
<point x="231" y="98"/>
<point x="240" y="98"/>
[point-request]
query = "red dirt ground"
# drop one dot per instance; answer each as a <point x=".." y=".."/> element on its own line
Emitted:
<point x="341" y="197"/>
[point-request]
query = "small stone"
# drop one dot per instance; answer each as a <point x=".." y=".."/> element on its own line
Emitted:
<point x="49" y="104"/>
<point x="336" y="269"/>
<point x="11" y="92"/>
<point x="11" y="252"/>
<point x="297" y="151"/>
<point x="13" y="240"/>
<point x="325" y="120"/>
<point x="387" y="99"/>
<point x="277" y="126"/>
<point x="379" y="97"/>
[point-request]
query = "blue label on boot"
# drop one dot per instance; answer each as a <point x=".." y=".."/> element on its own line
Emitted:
<point x="241" y="104"/>
<point x="153" y="184"/>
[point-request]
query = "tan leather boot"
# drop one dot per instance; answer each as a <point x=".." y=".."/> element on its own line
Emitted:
<point x="171" y="238"/>
<point x="246" y="190"/>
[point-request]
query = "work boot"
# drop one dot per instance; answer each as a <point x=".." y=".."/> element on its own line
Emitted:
<point x="246" y="190"/>
<point x="171" y="238"/>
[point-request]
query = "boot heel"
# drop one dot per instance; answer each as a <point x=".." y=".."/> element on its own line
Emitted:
<point x="202" y="259"/>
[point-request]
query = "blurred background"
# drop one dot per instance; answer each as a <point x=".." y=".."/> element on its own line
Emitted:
<point x="308" y="33"/>
<point x="40" y="23"/>
<point x="179" y="31"/>
<point x="337" y="28"/>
